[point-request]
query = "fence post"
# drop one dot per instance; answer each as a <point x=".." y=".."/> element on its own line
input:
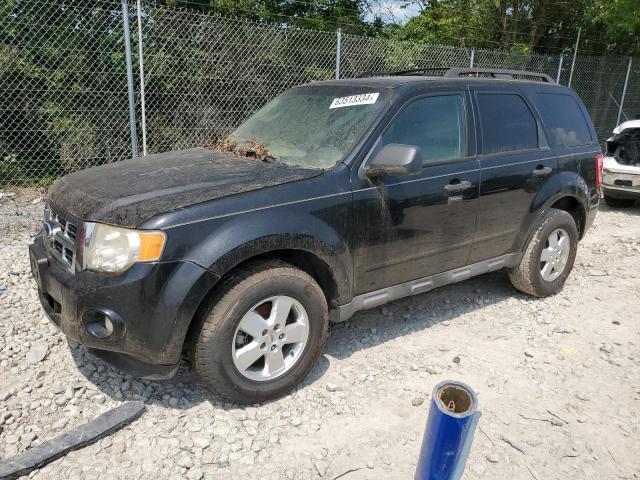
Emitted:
<point x="560" y="68"/>
<point x="473" y="56"/>
<point x="132" y="100"/>
<point x="143" y="111"/>
<point x="624" y="91"/>
<point x="339" y="41"/>
<point x="575" y="52"/>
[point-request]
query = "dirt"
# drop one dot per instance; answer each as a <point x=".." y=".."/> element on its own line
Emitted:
<point x="143" y="187"/>
<point x="558" y="381"/>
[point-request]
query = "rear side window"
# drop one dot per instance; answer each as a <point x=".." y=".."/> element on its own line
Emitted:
<point x="507" y="123"/>
<point x="564" y="119"/>
<point x="435" y="124"/>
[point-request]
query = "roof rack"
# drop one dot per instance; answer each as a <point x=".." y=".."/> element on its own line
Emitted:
<point x="497" y="73"/>
<point x="428" y="72"/>
<point x="457" y="72"/>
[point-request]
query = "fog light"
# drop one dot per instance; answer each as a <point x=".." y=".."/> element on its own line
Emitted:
<point x="103" y="323"/>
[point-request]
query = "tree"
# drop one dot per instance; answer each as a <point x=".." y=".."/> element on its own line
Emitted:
<point x="54" y="108"/>
<point x="608" y="26"/>
<point x="454" y="22"/>
<point x="325" y="15"/>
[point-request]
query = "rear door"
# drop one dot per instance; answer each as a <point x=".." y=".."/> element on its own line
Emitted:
<point x="570" y="133"/>
<point x="414" y="226"/>
<point x="515" y="162"/>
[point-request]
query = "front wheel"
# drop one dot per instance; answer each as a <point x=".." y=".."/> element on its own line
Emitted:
<point x="549" y="256"/>
<point x="263" y="333"/>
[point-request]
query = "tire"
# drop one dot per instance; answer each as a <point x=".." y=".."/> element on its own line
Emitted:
<point x="528" y="276"/>
<point x="256" y="289"/>
<point x="619" y="202"/>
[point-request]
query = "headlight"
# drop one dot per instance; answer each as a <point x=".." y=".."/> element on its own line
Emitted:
<point x="114" y="249"/>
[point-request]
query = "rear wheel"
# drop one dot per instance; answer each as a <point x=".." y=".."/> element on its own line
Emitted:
<point x="619" y="202"/>
<point x="264" y="332"/>
<point x="549" y="256"/>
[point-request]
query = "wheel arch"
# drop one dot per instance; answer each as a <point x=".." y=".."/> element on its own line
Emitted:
<point x="565" y="191"/>
<point x="567" y="201"/>
<point x="573" y="206"/>
<point x="310" y="263"/>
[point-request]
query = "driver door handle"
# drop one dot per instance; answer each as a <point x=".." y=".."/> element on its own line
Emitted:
<point x="457" y="186"/>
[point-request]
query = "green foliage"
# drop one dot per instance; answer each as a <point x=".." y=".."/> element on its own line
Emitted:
<point x="618" y="16"/>
<point x="326" y="15"/>
<point x="608" y="26"/>
<point x="220" y="71"/>
<point x="58" y="63"/>
<point x="64" y="100"/>
<point x="453" y="22"/>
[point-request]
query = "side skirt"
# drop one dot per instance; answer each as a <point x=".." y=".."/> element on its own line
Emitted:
<point x="421" y="285"/>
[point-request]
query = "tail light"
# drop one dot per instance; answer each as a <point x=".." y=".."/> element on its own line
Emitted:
<point x="598" y="160"/>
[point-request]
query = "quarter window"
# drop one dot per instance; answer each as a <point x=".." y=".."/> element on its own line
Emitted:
<point x="564" y="120"/>
<point x="435" y="124"/>
<point x="507" y="123"/>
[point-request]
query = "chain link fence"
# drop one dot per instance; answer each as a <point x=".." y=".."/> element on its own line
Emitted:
<point x="600" y="81"/>
<point x="63" y="77"/>
<point x="63" y="100"/>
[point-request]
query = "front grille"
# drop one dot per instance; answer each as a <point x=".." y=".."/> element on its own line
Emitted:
<point x="67" y="228"/>
<point x="60" y="233"/>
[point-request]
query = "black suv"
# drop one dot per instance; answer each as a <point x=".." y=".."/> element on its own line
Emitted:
<point x="335" y="197"/>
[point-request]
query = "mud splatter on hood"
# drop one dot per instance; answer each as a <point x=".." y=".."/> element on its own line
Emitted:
<point x="129" y="192"/>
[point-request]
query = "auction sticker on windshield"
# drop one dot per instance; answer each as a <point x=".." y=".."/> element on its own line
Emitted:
<point x="362" y="99"/>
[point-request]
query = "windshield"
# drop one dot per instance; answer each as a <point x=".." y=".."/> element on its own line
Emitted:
<point x="310" y="126"/>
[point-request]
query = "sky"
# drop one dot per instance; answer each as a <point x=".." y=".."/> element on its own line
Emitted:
<point x="392" y="11"/>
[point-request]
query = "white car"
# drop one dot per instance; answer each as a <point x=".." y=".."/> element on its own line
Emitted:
<point x="621" y="166"/>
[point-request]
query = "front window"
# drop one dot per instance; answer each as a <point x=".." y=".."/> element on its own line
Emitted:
<point x="311" y="126"/>
<point x="435" y="124"/>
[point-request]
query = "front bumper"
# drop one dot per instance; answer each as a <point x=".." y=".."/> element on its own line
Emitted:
<point x="620" y="181"/>
<point x="155" y="302"/>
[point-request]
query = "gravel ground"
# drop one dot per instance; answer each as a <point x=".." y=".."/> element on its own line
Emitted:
<point x="558" y="381"/>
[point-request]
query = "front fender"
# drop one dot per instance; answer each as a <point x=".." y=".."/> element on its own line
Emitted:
<point x="242" y="237"/>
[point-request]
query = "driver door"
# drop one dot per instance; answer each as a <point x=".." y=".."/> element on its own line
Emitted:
<point x="418" y="225"/>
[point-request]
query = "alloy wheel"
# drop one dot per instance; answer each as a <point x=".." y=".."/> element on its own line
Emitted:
<point x="555" y="255"/>
<point x="270" y="338"/>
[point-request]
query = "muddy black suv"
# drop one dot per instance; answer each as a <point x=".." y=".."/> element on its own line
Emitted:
<point x="335" y="197"/>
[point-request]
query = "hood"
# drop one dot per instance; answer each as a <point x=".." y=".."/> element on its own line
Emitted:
<point x="626" y="132"/>
<point x="623" y="133"/>
<point x="129" y="192"/>
<point x="629" y="125"/>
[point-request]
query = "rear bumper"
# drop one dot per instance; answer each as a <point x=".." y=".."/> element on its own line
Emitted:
<point x="621" y="192"/>
<point x="620" y="181"/>
<point x="152" y="303"/>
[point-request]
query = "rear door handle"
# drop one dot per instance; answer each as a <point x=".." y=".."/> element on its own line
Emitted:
<point x="457" y="186"/>
<point x="541" y="171"/>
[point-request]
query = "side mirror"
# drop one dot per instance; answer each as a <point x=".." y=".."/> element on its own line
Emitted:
<point x="396" y="159"/>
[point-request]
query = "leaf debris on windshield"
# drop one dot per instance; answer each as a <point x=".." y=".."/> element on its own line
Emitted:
<point x="247" y="149"/>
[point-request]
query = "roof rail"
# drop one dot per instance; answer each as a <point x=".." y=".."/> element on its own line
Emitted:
<point x="497" y="73"/>
<point x="458" y="72"/>
<point x="429" y="71"/>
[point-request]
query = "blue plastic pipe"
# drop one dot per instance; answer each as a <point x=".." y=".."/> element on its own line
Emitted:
<point x="453" y="416"/>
